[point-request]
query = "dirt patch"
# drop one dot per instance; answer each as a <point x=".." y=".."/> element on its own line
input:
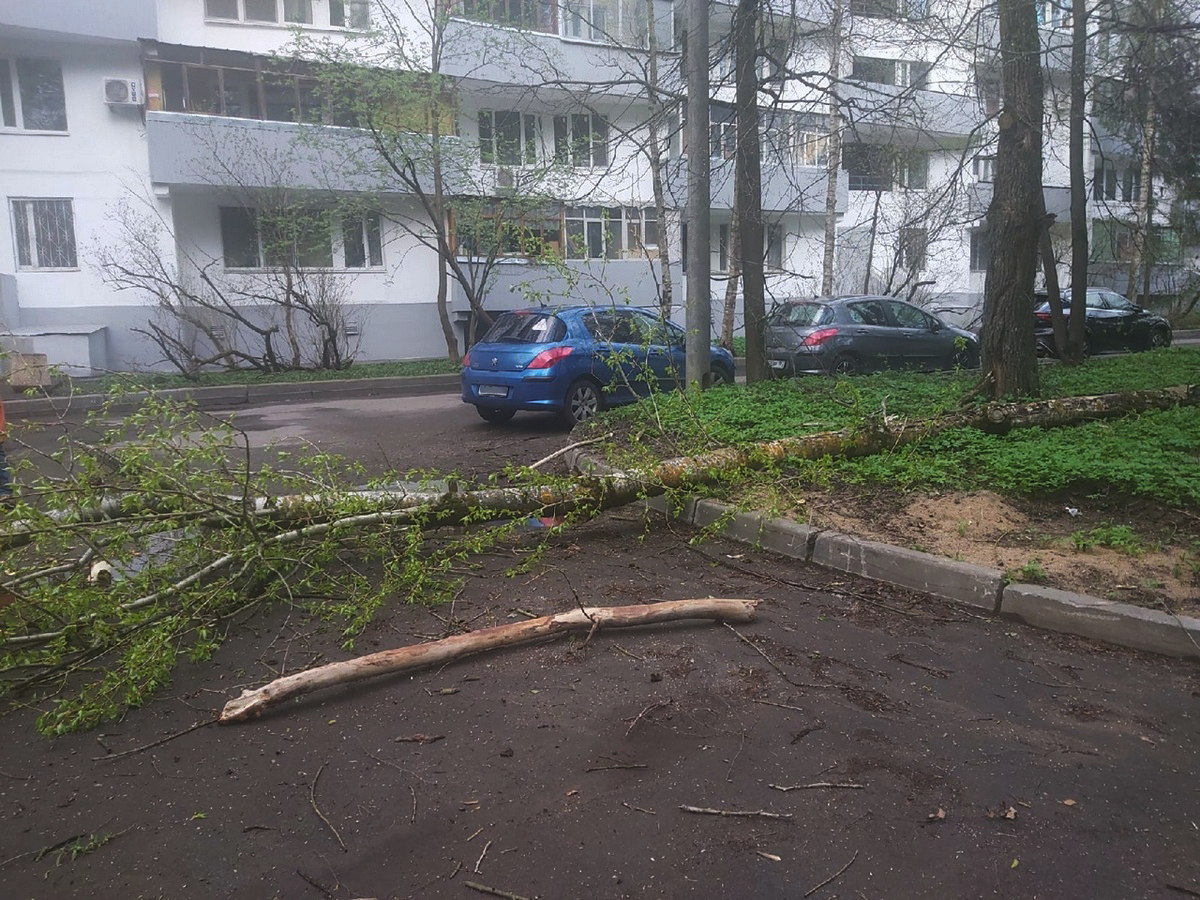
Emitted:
<point x="1140" y="553"/>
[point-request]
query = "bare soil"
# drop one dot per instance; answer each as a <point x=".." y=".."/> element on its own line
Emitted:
<point x="1056" y="542"/>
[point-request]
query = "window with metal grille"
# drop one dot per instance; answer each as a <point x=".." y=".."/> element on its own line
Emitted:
<point x="45" y="234"/>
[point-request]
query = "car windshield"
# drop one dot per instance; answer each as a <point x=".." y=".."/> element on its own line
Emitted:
<point x="525" y="328"/>
<point x="801" y="314"/>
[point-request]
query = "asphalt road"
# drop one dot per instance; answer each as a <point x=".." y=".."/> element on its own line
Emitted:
<point x="959" y="756"/>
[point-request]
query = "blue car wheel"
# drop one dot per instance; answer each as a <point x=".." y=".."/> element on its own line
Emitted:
<point x="583" y="401"/>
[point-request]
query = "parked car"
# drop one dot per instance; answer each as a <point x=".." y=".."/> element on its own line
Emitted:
<point x="576" y="360"/>
<point x="850" y="334"/>
<point x="1110" y="323"/>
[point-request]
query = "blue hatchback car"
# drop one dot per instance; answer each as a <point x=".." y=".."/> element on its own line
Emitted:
<point x="576" y="360"/>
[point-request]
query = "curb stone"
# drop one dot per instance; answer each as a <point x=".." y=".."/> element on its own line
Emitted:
<point x="978" y="587"/>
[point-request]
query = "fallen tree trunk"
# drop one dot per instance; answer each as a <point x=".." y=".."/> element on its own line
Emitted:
<point x="405" y="659"/>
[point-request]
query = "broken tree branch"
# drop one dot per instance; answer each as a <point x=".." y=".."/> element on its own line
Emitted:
<point x="735" y="813"/>
<point x="252" y="703"/>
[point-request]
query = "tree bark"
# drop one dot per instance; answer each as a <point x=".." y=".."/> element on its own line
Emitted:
<point x="1009" y="358"/>
<point x="748" y="188"/>
<point x="406" y="659"/>
<point x="1072" y="351"/>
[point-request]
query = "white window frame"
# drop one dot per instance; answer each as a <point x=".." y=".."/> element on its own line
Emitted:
<point x="571" y="152"/>
<point x="280" y="13"/>
<point x="611" y="223"/>
<point x="529" y="151"/>
<point x="10" y="103"/>
<point x="983" y="167"/>
<point x="336" y="236"/>
<point x="355" y="14"/>
<point x="26" y="236"/>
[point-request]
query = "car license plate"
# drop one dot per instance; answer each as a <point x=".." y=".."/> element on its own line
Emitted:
<point x="775" y="363"/>
<point x="492" y="390"/>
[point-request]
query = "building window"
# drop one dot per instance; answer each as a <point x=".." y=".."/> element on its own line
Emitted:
<point x="593" y="232"/>
<point x="507" y="138"/>
<point x="502" y="230"/>
<point x="293" y="12"/>
<point x="889" y="9"/>
<point x="355" y="14"/>
<point x="298" y="238"/>
<point x="773" y="255"/>
<point x="593" y="20"/>
<point x="641" y="235"/>
<point x="722" y="132"/>
<point x="45" y="234"/>
<point x="870" y="167"/>
<point x="298" y="11"/>
<point x="981" y="250"/>
<point x="1054" y="13"/>
<point x="910" y="248"/>
<point x="1104" y="180"/>
<point x="983" y="168"/>
<point x="1131" y="184"/>
<point x="898" y="73"/>
<point x="912" y="170"/>
<point x="723" y="236"/>
<point x="581" y="140"/>
<point x="531" y="15"/>
<point x="31" y="93"/>
<point x="362" y="241"/>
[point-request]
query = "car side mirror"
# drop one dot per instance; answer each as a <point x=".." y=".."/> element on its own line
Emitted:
<point x="937" y="326"/>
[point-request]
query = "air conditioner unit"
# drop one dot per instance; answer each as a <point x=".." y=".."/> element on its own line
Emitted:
<point x="122" y="92"/>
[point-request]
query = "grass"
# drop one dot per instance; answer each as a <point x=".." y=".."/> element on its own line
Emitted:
<point x="1152" y="455"/>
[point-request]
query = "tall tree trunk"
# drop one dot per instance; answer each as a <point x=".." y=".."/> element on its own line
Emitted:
<point x="658" y="152"/>
<point x="748" y="188"/>
<point x="866" y="287"/>
<point x="699" y="203"/>
<point x="731" y="286"/>
<point x="833" y="158"/>
<point x="1072" y="349"/>
<point x="1009" y="358"/>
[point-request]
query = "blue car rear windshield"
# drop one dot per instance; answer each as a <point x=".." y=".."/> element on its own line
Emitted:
<point x="525" y="328"/>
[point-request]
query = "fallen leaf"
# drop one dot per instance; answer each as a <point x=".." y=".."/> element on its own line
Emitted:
<point x="1015" y="863"/>
<point x="937" y="816"/>
<point x="573" y="792"/>
<point x="1068" y="803"/>
<point x="446" y="691"/>
<point x="1008" y="813"/>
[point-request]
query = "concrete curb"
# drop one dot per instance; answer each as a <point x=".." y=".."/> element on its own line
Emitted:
<point x="978" y="587"/>
<point x="242" y="395"/>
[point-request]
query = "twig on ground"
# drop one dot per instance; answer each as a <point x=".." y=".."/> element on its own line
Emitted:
<point x="479" y="861"/>
<point x="833" y="876"/>
<point x="495" y="892"/>
<point x="413" y="818"/>
<point x="153" y="744"/>
<point x="735" y="813"/>
<point x="780" y="705"/>
<point x="621" y="649"/>
<point x="774" y="665"/>
<point x="848" y="785"/>
<point x="312" y="798"/>
<point x="655" y="705"/>
<point x="618" y="766"/>
<point x="932" y="670"/>
<point x="648" y="812"/>
<point x="1182" y="888"/>
<point x="474" y="834"/>
<point x="320" y="887"/>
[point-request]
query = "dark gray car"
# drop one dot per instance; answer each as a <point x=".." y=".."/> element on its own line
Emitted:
<point x="850" y="334"/>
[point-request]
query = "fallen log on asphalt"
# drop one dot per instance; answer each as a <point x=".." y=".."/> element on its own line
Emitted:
<point x="404" y="659"/>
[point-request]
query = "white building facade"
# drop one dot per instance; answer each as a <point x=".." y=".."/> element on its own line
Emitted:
<point x="178" y="115"/>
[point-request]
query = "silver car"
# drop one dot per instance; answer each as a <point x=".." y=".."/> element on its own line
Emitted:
<point x="850" y="334"/>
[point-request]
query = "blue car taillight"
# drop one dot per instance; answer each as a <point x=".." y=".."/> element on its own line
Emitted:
<point x="547" y="358"/>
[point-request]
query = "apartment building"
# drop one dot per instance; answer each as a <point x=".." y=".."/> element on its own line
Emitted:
<point x="177" y="131"/>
